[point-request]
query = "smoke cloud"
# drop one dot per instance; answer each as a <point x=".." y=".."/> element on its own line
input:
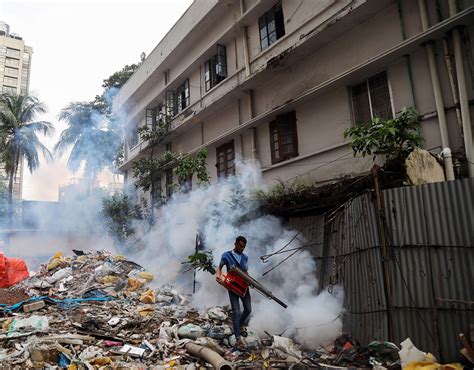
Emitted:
<point x="222" y="212"/>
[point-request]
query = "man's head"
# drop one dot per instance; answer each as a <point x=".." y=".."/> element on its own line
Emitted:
<point x="239" y="245"/>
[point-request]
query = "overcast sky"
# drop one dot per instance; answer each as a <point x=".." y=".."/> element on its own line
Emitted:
<point x="77" y="44"/>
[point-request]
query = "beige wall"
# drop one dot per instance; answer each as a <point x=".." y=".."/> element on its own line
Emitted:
<point x="319" y="50"/>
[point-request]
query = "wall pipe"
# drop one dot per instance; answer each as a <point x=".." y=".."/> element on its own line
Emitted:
<point x="434" y="77"/>
<point x="443" y="128"/>
<point x="208" y="355"/>
<point x="253" y="130"/>
<point x="463" y="98"/>
<point x="448" y="164"/>
<point x="449" y="66"/>
<point x="246" y="51"/>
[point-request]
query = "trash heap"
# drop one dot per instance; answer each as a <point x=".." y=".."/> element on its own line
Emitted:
<point x="97" y="310"/>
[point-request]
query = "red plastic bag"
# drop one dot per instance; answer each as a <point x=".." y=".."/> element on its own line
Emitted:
<point x="12" y="271"/>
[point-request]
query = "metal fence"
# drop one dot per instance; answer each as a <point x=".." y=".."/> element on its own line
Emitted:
<point x="425" y="288"/>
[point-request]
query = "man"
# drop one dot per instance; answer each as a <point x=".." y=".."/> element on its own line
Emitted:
<point x="237" y="258"/>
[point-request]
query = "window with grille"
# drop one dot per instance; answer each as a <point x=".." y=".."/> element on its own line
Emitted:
<point x="177" y="100"/>
<point x="169" y="182"/>
<point x="133" y="137"/>
<point x="371" y="99"/>
<point x="156" y="193"/>
<point x="215" y="69"/>
<point x="225" y="156"/>
<point x="271" y="26"/>
<point x="283" y="137"/>
<point x="182" y="96"/>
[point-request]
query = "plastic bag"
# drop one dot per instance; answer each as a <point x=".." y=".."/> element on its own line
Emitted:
<point x="30" y="325"/>
<point x="148" y="296"/>
<point x="12" y="271"/>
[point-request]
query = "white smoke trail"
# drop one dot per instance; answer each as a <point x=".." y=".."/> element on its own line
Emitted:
<point x="222" y="212"/>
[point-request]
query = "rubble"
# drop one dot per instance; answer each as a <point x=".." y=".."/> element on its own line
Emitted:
<point x="97" y="310"/>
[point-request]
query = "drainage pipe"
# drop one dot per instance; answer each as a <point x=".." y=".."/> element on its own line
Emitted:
<point x="208" y="355"/>
<point x="448" y="164"/>
<point x="434" y="78"/>
<point x="253" y="130"/>
<point x="245" y="40"/>
<point x="463" y="98"/>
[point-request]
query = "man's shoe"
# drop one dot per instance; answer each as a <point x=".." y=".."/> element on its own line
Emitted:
<point x="240" y="345"/>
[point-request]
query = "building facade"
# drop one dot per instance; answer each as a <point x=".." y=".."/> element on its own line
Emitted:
<point x="278" y="83"/>
<point x="15" y="67"/>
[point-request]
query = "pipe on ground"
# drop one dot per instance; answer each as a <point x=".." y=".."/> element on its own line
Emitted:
<point x="209" y="356"/>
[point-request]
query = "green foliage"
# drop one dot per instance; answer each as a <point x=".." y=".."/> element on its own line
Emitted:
<point x="93" y="133"/>
<point x="88" y="135"/>
<point x="393" y="138"/>
<point x="19" y="137"/>
<point x="111" y="86"/>
<point x="187" y="166"/>
<point x="119" y="78"/>
<point x="120" y="215"/>
<point x="148" y="170"/>
<point x="201" y="261"/>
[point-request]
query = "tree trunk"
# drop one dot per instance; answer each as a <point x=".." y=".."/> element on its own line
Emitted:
<point x="11" y="177"/>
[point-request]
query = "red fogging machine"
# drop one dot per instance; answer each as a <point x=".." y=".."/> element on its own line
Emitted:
<point x="237" y="281"/>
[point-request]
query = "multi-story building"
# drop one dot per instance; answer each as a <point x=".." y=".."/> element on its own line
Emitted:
<point x="278" y="82"/>
<point x="15" y="64"/>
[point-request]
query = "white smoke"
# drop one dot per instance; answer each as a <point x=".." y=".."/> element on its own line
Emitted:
<point x="222" y="212"/>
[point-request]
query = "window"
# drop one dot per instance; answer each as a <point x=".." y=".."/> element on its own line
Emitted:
<point x="9" y="90"/>
<point x="11" y="62"/>
<point x="169" y="182"/>
<point x="150" y="118"/>
<point x="186" y="184"/>
<point x="182" y="96"/>
<point x="10" y="81"/>
<point x="14" y="53"/>
<point x="283" y="137"/>
<point x="371" y="99"/>
<point x="133" y="137"/>
<point x="170" y="104"/>
<point x="11" y="71"/>
<point x="26" y="58"/>
<point x="271" y="26"/>
<point x="176" y="101"/>
<point x="215" y="69"/>
<point x="225" y="160"/>
<point x="156" y="193"/>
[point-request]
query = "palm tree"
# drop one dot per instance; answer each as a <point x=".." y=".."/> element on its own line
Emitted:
<point x="89" y="137"/>
<point x="18" y="137"/>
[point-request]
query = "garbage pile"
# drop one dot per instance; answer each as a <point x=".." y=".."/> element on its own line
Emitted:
<point x="97" y="310"/>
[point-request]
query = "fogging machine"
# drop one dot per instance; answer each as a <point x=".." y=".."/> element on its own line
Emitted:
<point x="237" y="281"/>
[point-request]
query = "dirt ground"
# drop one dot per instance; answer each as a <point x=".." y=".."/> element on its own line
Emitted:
<point x="9" y="296"/>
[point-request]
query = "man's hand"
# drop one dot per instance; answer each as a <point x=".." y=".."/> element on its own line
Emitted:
<point x="220" y="278"/>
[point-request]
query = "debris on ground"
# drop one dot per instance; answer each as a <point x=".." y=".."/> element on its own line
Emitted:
<point x="97" y="310"/>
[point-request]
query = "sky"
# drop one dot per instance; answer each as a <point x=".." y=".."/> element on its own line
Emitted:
<point x="76" y="45"/>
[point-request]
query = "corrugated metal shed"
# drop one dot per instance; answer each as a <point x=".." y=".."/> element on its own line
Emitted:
<point x="430" y="233"/>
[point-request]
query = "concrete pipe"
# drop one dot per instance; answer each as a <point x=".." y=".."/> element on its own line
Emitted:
<point x="209" y="356"/>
